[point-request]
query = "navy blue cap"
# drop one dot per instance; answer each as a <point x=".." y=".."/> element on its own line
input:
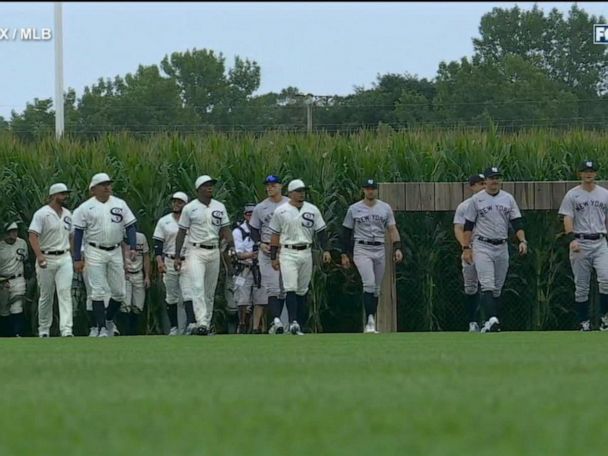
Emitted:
<point x="493" y="171"/>
<point x="588" y="165"/>
<point x="272" y="179"/>
<point x="369" y="183"/>
<point x="476" y="178"/>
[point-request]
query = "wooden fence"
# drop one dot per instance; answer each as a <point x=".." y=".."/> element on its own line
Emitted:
<point x="446" y="196"/>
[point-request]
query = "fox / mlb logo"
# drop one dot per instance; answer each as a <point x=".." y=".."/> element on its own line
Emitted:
<point x="600" y="33"/>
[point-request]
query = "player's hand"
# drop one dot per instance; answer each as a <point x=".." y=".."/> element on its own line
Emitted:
<point x="254" y="255"/>
<point x="265" y="248"/>
<point x="177" y="264"/>
<point x="523" y="248"/>
<point x="41" y="261"/>
<point x="467" y="256"/>
<point x="276" y="265"/>
<point x="398" y="256"/>
<point x="231" y="252"/>
<point x="79" y="266"/>
<point x="575" y="246"/>
<point x="345" y="261"/>
<point x="326" y="257"/>
<point x="161" y="266"/>
<point x="147" y="282"/>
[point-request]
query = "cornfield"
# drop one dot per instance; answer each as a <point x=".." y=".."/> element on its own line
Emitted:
<point x="146" y="170"/>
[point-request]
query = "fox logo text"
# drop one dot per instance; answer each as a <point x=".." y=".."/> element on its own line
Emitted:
<point x="600" y="34"/>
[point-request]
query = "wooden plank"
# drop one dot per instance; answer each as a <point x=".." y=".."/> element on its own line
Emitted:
<point x="524" y="195"/>
<point x="448" y="195"/>
<point x="387" y="302"/>
<point x="466" y="191"/>
<point x="509" y="187"/>
<point x="558" y="190"/>
<point x="427" y="196"/>
<point x="542" y="195"/>
<point x="393" y="194"/>
<point x="412" y="196"/>
<point x="571" y="185"/>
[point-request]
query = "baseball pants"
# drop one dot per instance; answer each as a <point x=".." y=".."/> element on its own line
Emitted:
<point x="592" y="254"/>
<point x="11" y="298"/>
<point x="105" y="272"/>
<point x="370" y="262"/>
<point x="177" y="284"/>
<point x="87" y="286"/>
<point x="56" y="276"/>
<point x="135" y="293"/>
<point x="469" y="274"/>
<point x="296" y="270"/>
<point x="204" y="269"/>
<point x="271" y="279"/>
<point x="491" y="263"/>
<point x="245" y="291"/>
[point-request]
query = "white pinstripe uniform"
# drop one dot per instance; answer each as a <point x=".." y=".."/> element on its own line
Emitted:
<point x="12" y="257"/>
<point x="135" y="288"/>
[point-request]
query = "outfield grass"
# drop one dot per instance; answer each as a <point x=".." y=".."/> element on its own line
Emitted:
<point x="425" y="393"/>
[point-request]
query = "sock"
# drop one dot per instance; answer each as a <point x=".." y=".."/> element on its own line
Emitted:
<point x="472" y="306"/>
<point x="488" y="304"/>
<point x="498" y="306"/>
<point x="99" y="312"/>
<point x="133" y="323"/>
<point x="603" y="304"/>
<point x="368" y="304"/>
<point x="18" y="323"/>
<point x="376" y="299"/>
<point x="582" y="311"/>
<point x="5" y="327"/>
<point x="113" y="307"/>
<point x="189" y="308"/>
<point x="91" y="318"/>
<point x="172" y="314"/>
<point x="242" y="316"/>
<point x="302" y="312"/>
<point x="276" y="306"/>
<point x="292" y="306"/>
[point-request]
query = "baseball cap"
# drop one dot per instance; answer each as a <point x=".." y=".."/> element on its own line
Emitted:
<point x="249" y="207"/>
<point x="10" y="226"/>
<point x="58" y="188"/>
<point x="99" y="178"/>
<point x="369" y="183"/>
<point x="272" y="179"/>
<point x="588" y="165"/>
<point x="203" y="180"/>
<point x="492" y="171"/>
<point x="180" y="196"/>
<point x="296" y="184"/>
<point x="476" y="178"/>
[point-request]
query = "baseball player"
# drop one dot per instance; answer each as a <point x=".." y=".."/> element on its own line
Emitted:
<point x="490" y="212"/>
<point x="477" y="182"/>
<point x="363" y="237"/>
<point x="261" y="235"/>
<point x="137" y="281"/>
<point x="248" y="289"/>
<point x="104" y="218"/>
<point x="49" y="235"/>
<point x="206" y="219"/>
<point x="584" y="210"/>
<point x="93" y="330"/>
<point x="177" y="288"/>
<point x="13" y="255"/>
<point x="293" y="226"/>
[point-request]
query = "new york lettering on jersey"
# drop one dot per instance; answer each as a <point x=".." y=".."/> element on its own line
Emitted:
<point x="492" y="214"/>
<point x="369" y="223"/>
<point x="587" y="209"/>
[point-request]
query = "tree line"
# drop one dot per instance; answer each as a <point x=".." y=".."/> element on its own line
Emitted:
<point x="529" y="69"/>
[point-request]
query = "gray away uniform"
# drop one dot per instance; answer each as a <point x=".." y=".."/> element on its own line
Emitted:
<point x="369" y="225"/>
<point x="469" y="272"/>
<point x="491" y="215"/>
<point x="588" y="211"/>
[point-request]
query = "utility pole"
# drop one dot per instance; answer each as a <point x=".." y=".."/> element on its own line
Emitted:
<point x="59" y="116"/>
<point x="309" y="101"/>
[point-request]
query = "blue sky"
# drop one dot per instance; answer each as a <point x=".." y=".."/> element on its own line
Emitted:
<point x="321" y="48"/>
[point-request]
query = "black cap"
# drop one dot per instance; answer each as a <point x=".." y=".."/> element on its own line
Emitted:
<point x="588" y="165"/>
<point x="272" y="179"/>
<point x="476" y="178"/>
<point x="492" y="171"/>
<point x="369" y="183"/>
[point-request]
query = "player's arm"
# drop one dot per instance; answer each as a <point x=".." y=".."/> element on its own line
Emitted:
<point x="147" y="268"/>
<point x="517" y="222"/>
<point x="396" y="241"/>
<point x="459" y="233"/>
<point x="35" y="243"/>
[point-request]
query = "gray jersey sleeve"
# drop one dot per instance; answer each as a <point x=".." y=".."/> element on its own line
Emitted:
<point x="515" y="212"/>
<point x="459" y="215"/>
<point x="348" y="219"/>
<point x="567" y="206"/>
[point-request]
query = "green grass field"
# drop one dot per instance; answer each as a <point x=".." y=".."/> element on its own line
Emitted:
<point x="424" y="393"/>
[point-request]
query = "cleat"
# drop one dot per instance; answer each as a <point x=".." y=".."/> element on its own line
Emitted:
<point x="604" y="323"/>
<point x="190" y="329"/>
<point x="67" y="335"/>
<point x="94" y="332"/>
<point x="202" y="331"/>
<point x="473" y="327"/>
<point x="173" y="331"/>
<point x="276" y="327"/>
<point x="294" y="329"/>
<point x="492" y="325"/>
<point x="43" y="335"/>
<point x="112" y="329"/>
<point x="370" y="326"/>
<point x="585" y="326"/>
<point x="103" y="332"/>
<point x="242" y="329"/>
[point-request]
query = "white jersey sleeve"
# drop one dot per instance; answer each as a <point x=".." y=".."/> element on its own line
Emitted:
<point x="128" y="217"/>
<point x="348" y="219"/>
<point x="320" y="224"/>
<point x="275" y="223"/>
<point x="184" y="220"/>
<point x="37" y="223"/>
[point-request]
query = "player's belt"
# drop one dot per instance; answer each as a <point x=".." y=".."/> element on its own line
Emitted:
<point x="173" y="257"/>
<point x="492" y="241"/>
<point x="53" y="252"/>
<point x="297" y="246"/>
<point x="370" y="243"/>
<point x="104" y="247"/>
<point x="134" y="272"/>
<point x="590" y="237"/>
<point x="205" y="246"/>
<point x="12" y="277"/>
